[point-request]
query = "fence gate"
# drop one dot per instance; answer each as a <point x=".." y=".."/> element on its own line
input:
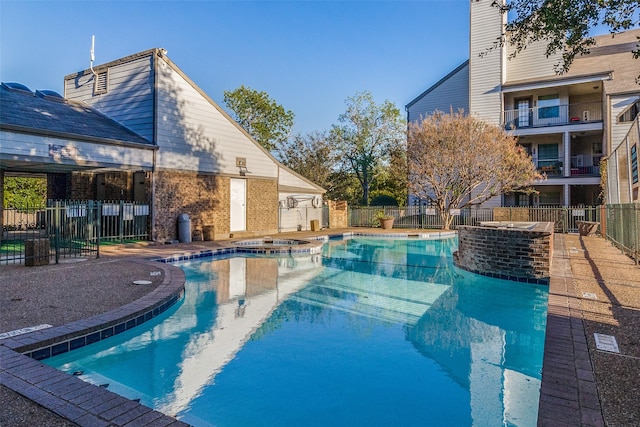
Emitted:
<point x="68" y="229"/>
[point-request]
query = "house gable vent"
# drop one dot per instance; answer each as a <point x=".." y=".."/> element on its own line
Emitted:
<point x="101" y="83"/>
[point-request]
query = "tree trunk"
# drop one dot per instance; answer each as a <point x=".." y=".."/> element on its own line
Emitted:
<point x="446" y="218"/>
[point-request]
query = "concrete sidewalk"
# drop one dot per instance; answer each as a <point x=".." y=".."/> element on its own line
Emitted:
<point x="581" y="385"/>
<point x="604" y="292"/>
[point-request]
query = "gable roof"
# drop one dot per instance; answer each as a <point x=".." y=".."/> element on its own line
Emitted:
<point x="46" y="113"/>
<point x="611" y="60"/>
<point x="438" y="83"/>
<point x="161" y="54"/>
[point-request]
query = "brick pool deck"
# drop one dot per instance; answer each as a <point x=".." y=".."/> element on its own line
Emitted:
<point x="581" y="386"/>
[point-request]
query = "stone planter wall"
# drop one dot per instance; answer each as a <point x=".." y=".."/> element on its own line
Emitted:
<point x="518" y="254"/>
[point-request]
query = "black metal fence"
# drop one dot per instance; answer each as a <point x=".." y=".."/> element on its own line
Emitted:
<point x="564" y="218"/>
<point x="33" y="235"/>
<point x="622" y="228"/>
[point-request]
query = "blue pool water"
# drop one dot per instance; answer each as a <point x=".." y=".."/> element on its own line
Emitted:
<point x="371" y="332"/>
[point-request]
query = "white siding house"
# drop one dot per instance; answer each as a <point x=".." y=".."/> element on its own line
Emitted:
<point x="449" y="93"/>
<point x="159" y="138"/>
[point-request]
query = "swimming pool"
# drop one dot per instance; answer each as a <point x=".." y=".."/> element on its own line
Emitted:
<point x="371" y="332"/>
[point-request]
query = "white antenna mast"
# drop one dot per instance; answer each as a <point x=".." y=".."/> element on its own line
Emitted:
<point x="93" y="57"/>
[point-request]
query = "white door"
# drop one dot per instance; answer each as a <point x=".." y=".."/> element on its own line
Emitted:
<point x="238" y="203"/>
<point x="237" y="277"/>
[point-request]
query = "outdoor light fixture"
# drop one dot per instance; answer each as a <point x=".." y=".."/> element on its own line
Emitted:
<point x="241" y="163"/>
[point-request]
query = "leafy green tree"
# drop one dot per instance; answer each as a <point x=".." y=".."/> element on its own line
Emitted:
<point x="365" y="135"/>
<point x="312" y="156"/>
<point x="457" y="161"/>
<point x="262" y="117"/>
<point x="23" y="192"/>
<point x="345" y="186"/>
<point x="565" y="24"/>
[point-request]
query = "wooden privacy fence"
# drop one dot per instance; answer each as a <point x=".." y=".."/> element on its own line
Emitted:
<point x="68" y="229"/>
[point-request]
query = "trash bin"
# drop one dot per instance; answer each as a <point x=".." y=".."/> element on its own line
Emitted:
<point x="184" y="228"/>
<point x="315" y="225"/>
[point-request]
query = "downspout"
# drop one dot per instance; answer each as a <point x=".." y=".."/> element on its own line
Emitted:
<point x="278" y="196"/>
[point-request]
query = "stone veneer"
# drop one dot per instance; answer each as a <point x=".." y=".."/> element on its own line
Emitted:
<point x="205" y="198"/>
<point x="520" y="254"/>
<point x="262" y="205"/>
<point x="338" y="214"/>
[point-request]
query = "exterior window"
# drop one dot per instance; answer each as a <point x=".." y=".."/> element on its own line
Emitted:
<point x="101" y="83"/>
<point x="630" y="114"/>
<point x="548" y="152"/>
<point x="548" y="106"/>
<point x="550" y="198"/>
<point x="523" y="199"/>
<point x="548" y="160"/>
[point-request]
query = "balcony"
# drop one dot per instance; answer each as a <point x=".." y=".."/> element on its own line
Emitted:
<point x="550" y="167"/>
<point x="581" y="165"/>
<point x="558" y="115"/>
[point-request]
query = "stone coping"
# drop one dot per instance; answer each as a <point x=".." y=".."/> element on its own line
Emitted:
<point x="533" y="227"/>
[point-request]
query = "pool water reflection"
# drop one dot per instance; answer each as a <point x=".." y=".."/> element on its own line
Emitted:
<point x="371" y="332"/>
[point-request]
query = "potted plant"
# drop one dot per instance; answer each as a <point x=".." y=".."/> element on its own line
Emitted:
<point x="385" y="221"/>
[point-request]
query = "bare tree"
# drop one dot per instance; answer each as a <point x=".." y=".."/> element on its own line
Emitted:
<point x="456" y="161"/>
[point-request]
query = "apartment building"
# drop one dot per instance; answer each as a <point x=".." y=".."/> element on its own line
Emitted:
<point x="567" y="122"/>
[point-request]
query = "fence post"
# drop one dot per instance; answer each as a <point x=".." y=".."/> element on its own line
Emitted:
<point x="121" y="222"/>
<point x="56" y="229"/>
<point x="97" y="229"/>
<point x="636" y="255"/>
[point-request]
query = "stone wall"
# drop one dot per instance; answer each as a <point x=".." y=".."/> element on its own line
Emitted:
<point x="83" y="186"/>
<point x="262" y="205"/>
<point x="58" y="186"/>
<point x="508" y="253"/>
<point x="1" y="204"/>
<point x="205" y="198"/>
<point x="338" y="214"/>
<point x="511" y="214"/>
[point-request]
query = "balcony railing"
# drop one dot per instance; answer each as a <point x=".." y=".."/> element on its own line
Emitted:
<point x="581" y="164"/>
<point x="587" y="112"/>
<point x="585" y="164"/>
<point x="550" y="167"/>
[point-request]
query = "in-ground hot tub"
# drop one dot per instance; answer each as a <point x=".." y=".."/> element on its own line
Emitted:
<point x="269" y="245"/>
<point x="510" y="224"/>
<point x="519" y="251"/>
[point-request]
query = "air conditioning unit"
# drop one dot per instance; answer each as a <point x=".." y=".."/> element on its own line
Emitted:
<point x="586" y="116"/>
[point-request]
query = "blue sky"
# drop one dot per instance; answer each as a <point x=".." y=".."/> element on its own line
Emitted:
<point x="307" y="55"/>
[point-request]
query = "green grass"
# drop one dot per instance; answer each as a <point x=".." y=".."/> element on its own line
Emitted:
<point x="11" y="246"/>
